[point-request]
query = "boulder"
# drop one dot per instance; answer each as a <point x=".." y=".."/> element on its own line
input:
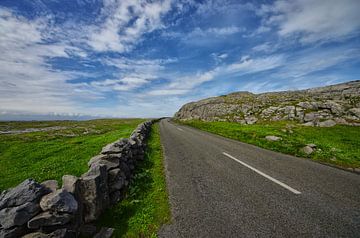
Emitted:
<point x="94" y="192"/>
<point x="52" y="185"/>
<point x="36" y="235"/>
<point x="110" y="163"/>
<point x="27" y="191"/>
<point x="355" y="112"/>
<point x="116" y="180"/>
<point x="273" y="138"/>
<point x="59" y="201"/>
<point x="70" y="183"/>
<point x="251" y="120"/>
<point x="18" y="216"/>
<point x="111" y="149"/>
<point x="327" y="123"/>
<point x="307" y="150"/>
<point x="96" y="158"/>
<point x="49" y="219"/>
<point x="60" y="233"/>
<point x="310" y="123"/>
<point x="13" y="232"/>
<point x="312" y="116"/>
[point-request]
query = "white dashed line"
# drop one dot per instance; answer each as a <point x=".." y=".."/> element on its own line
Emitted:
<point x="179" y="129"/>
<point x="263" y="174"/>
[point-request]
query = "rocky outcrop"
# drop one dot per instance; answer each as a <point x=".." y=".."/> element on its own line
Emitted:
<point x="324" y="106"/>
<point x="43" y="210"/>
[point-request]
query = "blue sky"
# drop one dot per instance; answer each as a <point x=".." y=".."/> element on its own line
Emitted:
<point x="129" y="58"/>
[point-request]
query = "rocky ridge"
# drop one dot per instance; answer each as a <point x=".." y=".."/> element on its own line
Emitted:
<point x="38" y="210"/>
<point x="322" y="106"/>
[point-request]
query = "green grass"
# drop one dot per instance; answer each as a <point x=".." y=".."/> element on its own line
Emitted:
<point x="339" y="145"/>
<point x="145" y="207"/>
<point x="51" y="154"/>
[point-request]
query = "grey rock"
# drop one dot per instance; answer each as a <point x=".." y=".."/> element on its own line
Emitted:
<point x="112" y="148"/>
<point x="311" y="145"/>
<point x="52" y="185"/>
<point x="27" y="191"/>
<point x="110" y="163"/>
<point x="18" y="216"/>
<point x="94" y="192"/>
<point x="312" y="116"/>
<point x="273" y="138"/>
<point x="307" y="150"/>
<point x="49" y="219"/>
<point x="37" y="234"/>
<point x="312" y="105"/>
<point x="13" y="232"/>
<point x="251" y="120"/>
<point x="96" y="158"/>
<point x="355" y="112"/>
<point x="104" y="233"/>
<point x="60" y="233"/>
<point x="327" y="123"/>
<point x="59" y="201"/>
<point x="310" y="123"/>
<point x="70" y="183"/>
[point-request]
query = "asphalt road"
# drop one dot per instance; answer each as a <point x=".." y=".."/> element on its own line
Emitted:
<point x="252" y="192"/>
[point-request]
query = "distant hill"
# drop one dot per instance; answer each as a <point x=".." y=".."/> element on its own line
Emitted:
<point x="322" y="106"/>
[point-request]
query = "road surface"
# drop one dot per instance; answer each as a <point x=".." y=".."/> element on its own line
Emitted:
<point x="219" y="187"/>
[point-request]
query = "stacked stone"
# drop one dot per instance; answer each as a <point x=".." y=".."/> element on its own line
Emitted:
<point x="44" y="210"/>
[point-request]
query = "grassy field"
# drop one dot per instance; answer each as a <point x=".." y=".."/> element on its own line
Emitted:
<point x="64" y="149"/>
<point x="146" y="205"/>
<point x="339" y="145"/>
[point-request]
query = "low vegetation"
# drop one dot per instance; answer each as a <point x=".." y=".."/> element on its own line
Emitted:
<point x="339" y="145"/>
<point x="145" y="207"/>
<point x="64" y="147"/>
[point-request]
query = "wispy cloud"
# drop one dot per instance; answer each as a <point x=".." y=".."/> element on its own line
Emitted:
<point x="313" y="20"/>
<point x="125" y="22"/>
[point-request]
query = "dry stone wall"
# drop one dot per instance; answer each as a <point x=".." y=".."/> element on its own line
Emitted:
<point x="40" y="210"/>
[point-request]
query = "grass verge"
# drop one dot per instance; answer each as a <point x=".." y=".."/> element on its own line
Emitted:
<point x="338" y="145"/>
<point x="50" y="154"/>
<point x="145" y="207"/>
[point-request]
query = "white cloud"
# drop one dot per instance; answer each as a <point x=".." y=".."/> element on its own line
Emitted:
<point x="314" y="20"/>
<point x="28" y="82"/>
<point x="125" y="22"/>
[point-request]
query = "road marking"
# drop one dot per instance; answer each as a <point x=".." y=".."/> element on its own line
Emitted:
<point x="263" y="174"/>
<point x="179" y="129"/>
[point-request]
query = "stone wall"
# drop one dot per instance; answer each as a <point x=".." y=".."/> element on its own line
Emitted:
<point x="35" y="209"/>
<point x="324" y="106"/>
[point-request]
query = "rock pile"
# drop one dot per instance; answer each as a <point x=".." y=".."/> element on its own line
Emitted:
<point x="323" y="107"/>
<point x="43" y="210"/>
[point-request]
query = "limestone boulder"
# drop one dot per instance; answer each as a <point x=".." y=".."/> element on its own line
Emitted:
<point x="49" y="219"/>
<point x="18" y="216"/>
<point x="273" y="138"/>
<point x="27" y="191"/>
<point x="327" y="123"/>
<point x="59" y="201"/>
<point x="52" y="185"/>
<point x="94" y="192"/>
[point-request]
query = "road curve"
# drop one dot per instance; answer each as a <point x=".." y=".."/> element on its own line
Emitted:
<point x="214" y="195"/>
